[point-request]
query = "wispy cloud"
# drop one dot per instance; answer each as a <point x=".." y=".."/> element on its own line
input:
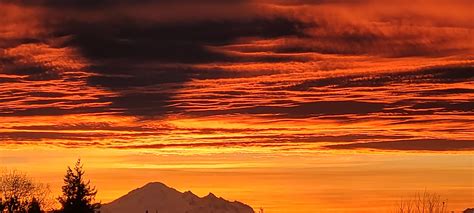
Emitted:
<point x="423" y="145"/>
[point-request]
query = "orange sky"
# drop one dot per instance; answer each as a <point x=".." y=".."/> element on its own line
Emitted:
<point x="340" y="106"/>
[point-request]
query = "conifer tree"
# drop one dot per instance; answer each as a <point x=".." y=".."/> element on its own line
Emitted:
<point x="78" y="196"/>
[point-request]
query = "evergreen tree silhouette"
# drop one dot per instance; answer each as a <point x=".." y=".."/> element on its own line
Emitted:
<point x="78" y="196"/>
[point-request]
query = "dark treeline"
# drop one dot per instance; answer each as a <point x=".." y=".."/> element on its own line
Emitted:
<point x="20" y="194"/>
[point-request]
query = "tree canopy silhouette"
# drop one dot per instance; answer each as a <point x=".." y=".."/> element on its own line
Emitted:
<point x="34" y="206"/>
<point x="425" y="202"/>
<point x="78" y="196"/>
<point x="19" y="193"/>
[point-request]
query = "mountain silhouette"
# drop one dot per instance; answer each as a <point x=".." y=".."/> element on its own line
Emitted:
<point x="159" y="198"/>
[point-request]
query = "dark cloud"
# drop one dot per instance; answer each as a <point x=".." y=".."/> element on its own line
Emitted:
<point x="308" y="138"/>
<point x="415" y="107"/>
<point x="446" y="106"/>
<point x="453" y="91"/>
<point x="126" y="54"/>
<point x="446" y="75"/>
<point x="429" y="121"/>
<point x="367" y="44"/>
<point x="282" y="141"/>
<point x="169" y="42"/>
<point x="196" y="145"/>
<point x="122" y="77"/>
<point x="316" y="2"/>
<point x="412" y="145"/>
<point x="8" y="80"/>
<point x="142" y="104"/>
<point x="47" y="94"/>
<point x="32" y="71"/>
<point x="14" y="42"/>
<point x="95" y="4"/>
<point x="91" y="126"/>
<point x="35" y="136"/>
<point x="51" y="111"/>
<point x="305" y="110"/>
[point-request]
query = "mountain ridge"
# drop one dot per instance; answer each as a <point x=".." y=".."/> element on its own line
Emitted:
<point x="156" y="197"/>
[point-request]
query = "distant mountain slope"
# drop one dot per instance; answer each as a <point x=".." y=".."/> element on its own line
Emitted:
<point x="159" y="198"/>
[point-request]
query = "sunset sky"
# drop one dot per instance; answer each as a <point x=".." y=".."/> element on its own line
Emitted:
<point x="292" y="106"/>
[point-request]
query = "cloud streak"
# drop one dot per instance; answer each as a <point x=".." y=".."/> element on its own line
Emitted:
<point x="423" y="145"/>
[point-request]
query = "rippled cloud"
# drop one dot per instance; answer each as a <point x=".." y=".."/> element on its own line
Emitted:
<point x="291" y="75"/>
